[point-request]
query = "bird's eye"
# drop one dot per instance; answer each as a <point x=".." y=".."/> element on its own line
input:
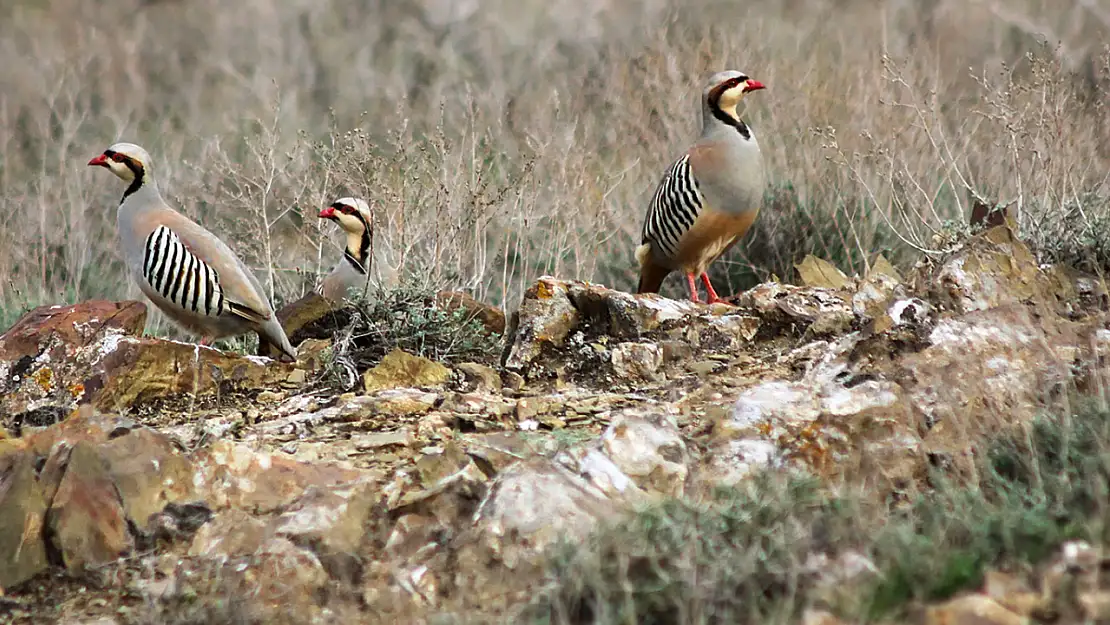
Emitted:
<point x="347" y="210"/>
<point x="117" y="157"/>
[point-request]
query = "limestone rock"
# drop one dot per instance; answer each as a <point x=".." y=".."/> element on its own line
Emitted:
<point x="232" y="475"/>
<point x="22" y="519"/>
<point x="479" y="377"/>
<point x="820" y="310"/>
<point x="35" y="352"/>
<point x="531" y="504"/>
<point x="546" y="317"/>
<point x="997" y="363"/>
<point x="648" y="449"/>
<point x="231" y="533"/>
<point x="87" y="518"/>
<point x="279" y="583"/>
<point x="972" y="610"/>
<point x="331" y="523"/>
<point x="637" y="360"/>
<point x="55" y="358"/>
<point x="992" y="269"/>
<point x="729" y="462"/>
<point x="149" y="472"/>
<point x="401" y="369"/>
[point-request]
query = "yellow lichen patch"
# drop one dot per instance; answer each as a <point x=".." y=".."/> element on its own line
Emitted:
<point x="77" y="390"/>
<point x="543" y="290"/>
<point x="45" y="378"/>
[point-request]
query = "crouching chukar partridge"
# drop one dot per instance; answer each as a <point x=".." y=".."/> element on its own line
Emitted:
<point x="349" y="277"/>
<point x="188" y="273"/>
<point x="709" y="197"/>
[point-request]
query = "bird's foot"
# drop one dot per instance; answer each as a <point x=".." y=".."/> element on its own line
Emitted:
<point x="693" y="288"/>
<point x="713" y="297"/>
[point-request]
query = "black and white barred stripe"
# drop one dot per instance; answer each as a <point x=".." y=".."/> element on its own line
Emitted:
<point x="674" y="208"/>
<point x="179" y="276"/>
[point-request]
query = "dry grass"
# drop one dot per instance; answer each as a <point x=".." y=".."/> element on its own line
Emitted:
<point x="502" y="140"/>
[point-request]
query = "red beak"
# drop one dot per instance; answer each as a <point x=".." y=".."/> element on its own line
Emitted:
<point x="753" y="85"/>
<point x="328" y="213"/>
<point x="99" y="160"/>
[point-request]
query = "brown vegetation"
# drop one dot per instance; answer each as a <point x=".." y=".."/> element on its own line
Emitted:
<point x="502" y="140"/>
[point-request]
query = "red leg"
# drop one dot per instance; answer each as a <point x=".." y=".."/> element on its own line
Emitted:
<point x="693" y="288"/>
<point x="205" y="341"/>
<point x="713" y="298"/>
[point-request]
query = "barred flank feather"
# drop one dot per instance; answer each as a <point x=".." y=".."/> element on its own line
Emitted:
<point x="674" y="208"/>
<point x="179" y="276"/>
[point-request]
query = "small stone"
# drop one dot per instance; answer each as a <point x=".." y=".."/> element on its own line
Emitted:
<point x="297" y="377"/>
<point x="149" y="472"/>
<point x="87" y="518"/>
<point x="270" y="396"/>
<point x="402" y="369"/>
<point x="22" y="517"/>
<point x="512" y="380"/>
<point x="400" y="402"/>
<point x="377" y="440"/>
<point x="972" y="610"/>
<point x="703" y="367"/>
<point x="479" y="377"/>
<point x="674" y="350"/>
<point x="649" y="449"/>
<point x="637" y="360"/>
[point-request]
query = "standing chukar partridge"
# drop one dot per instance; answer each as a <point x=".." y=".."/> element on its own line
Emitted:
<point x="188" y="273"/>
<point x="709" y="197"/>
<point x="349" y="277"/>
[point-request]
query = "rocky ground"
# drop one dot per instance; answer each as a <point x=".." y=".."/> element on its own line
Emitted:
<point x="146" y="480"/>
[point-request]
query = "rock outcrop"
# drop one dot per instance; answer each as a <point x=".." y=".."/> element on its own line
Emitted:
<point x="442" y="485"/>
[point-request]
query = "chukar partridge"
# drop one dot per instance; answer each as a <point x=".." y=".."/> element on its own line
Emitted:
<point x="188" y="273"/>
<point x="350" y="275"/>
<point x="709" y="197"/>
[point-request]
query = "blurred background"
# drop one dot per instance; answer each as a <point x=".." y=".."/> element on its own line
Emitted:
<point x="500" y="140"/>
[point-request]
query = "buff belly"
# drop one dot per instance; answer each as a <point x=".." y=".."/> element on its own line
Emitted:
<point x="712" y="234"/>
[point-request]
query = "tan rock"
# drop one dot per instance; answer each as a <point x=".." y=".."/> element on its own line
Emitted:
<point x="637" y="361"/>
<point x="332" y="523"/>
<point x="280" y="583"/>
<point x="41" y="355"/>
<point x="402" y="402"/>
<point x="400" y="369"/>
<point x="149" y="472"/>
<point x="229" y="475"/>
<point x="479" y="377"/>
<point x="87" y="521"/>
<point x="649" y="449"/>
<point x="231" y="533"/>
<point x="993" y="269"/>
<point x="531" y="504"/>
<point x="132" y="371"/>
<point x="22" y="519"/>
<point x="92" y="353"/>
<point x="546" y="316"/>
<point x="972" y="610"/>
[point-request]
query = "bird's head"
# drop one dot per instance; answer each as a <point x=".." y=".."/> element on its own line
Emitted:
<point x="352" y="214"/>
<point x="126" y="160"/>
<point x="725" y="90"/>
